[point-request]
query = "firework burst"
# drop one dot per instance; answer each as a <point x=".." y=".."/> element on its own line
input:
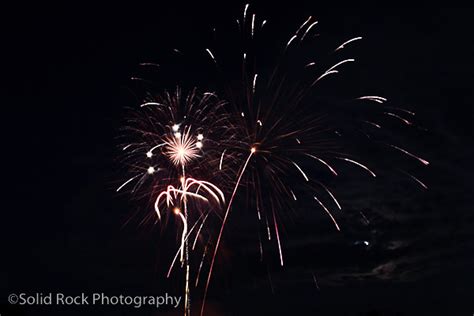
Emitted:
<point x="170" y="139"/>
<point x="275" y="135"/>
<point x="291" y="131"/>
<point x="182" y="148"/>
<point x="175" y="131"/>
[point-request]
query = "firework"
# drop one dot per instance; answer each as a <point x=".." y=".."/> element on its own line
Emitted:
<point x="290" y="132"/>
<point x="171" y="132"/>
<point x="172" y="138"/>
<point x="273" y="136"/>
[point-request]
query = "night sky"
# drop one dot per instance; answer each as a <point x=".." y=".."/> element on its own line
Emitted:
<point x="66" y="86"/>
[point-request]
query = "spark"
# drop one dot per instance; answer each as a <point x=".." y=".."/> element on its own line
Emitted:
<point x="149" y="103"/>
<point x="347" y="42"/>
<point x="253" y="24"/>
<point x="324" y="163"/>
<point x="372" y="123"/>
<point x="149" y="153"/>
<point x="293" y="195"/>
<point x="127" y="182"/>
<point x="300" y="170"/>
<point x="328" y="212"/>
<point x="245" y="11"/>
<point x="200" y="266"/>
<point x="254" y="83"/>
<point x="303" y="25"/>
<point x="424" y="186"/>
<point x="358" y="164"/>
<point x="199" y="230"/>
<point x="315" y="281"/>
<point x="269" y="235"/>
<point x="367" y="222"/>
<point x="327" y="73"/>
<point x="308" y="29"/>
<point x="374" y="98"/>
<point x="150" y="64"/>
<point x="151" y="170"/>
<point x="407" y="122"/>
<point x="340" y="63"/>
<point x="291" y="40"/>
<point x="423" y="161"/>
<point x="403" y="110"/>
<point x="278" y="238"/>
<point x="222" y="158"/>
<point x="332" y="196"/>
<point x="211" y="54"/>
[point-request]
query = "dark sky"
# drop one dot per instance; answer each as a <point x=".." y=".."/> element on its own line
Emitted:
<point x="66" y="73"/>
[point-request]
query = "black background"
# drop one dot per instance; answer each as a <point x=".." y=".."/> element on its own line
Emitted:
<point x="66" y="72"/>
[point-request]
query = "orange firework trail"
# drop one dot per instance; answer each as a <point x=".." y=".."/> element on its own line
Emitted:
<point x="278" y="113"/>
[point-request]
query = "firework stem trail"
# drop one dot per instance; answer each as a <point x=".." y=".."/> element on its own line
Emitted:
<point x="187" y="298"/>
<point x="179" y="251"/>
<point x="200" y="266"/>
<point x="252" y="151"/>
<point x="199" y="231"/>
<point x="185" y="230"/>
